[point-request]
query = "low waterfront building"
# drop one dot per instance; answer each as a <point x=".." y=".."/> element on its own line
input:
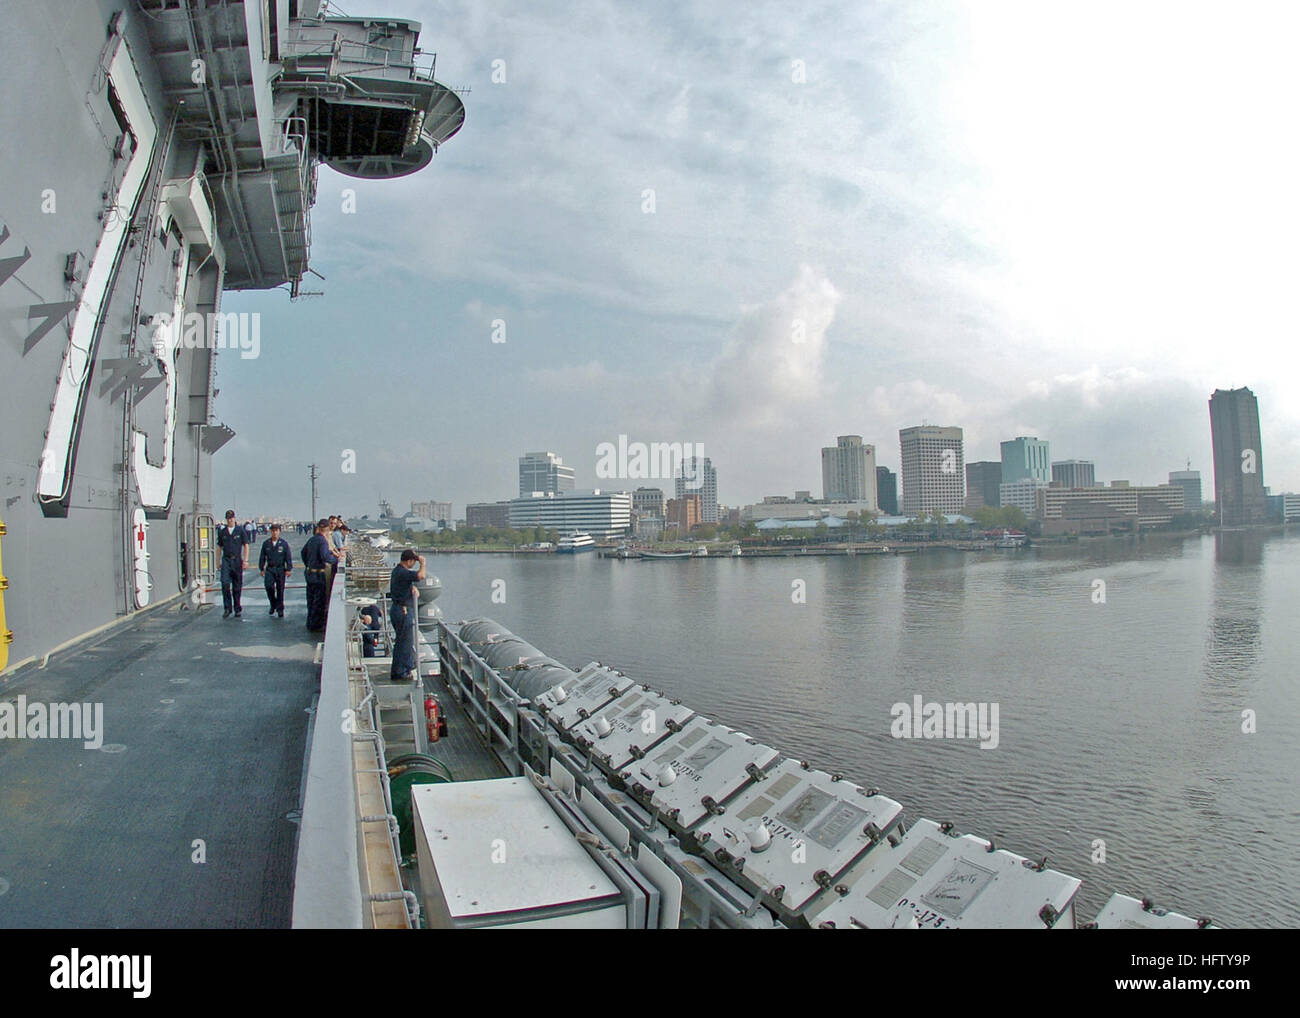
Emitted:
<point x="600" y="513"/>
<point x="439" y="512"/>
<point x="789" y="509"/>
<point x="418" y="524"/>
<point x="838" y="522"/>
<point x="648" y="528"/>
<point x="488" y="514"/>
<point x="949" y="520"/>
<point x="831" y="522"/>
<point x="1023" y="494"/>
<point x="1102" y="510"/>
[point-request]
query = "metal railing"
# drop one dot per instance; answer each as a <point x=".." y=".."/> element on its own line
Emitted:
<point x="526" y="743"/>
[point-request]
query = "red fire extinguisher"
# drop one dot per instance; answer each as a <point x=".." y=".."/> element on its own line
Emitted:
<point x="431" y="718"/>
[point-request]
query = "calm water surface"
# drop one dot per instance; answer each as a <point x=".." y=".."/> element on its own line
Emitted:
<point x="1119" y="721"/>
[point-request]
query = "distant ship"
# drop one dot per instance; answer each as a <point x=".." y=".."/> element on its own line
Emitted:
<point x="665" y="554"/>
<point x="578" y="541"/>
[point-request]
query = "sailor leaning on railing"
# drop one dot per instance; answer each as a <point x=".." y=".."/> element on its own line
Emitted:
<point x="319" y="559"/>
<point x="404" y="595"/>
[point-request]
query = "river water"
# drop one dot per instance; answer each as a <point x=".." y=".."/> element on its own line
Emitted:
<point x="1120" y="702"/>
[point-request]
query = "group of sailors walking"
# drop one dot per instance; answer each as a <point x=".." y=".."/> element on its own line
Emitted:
<point x="323" y="553"/>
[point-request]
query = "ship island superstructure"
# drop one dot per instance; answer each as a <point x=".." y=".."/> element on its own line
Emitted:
<point x="161" y="154"/>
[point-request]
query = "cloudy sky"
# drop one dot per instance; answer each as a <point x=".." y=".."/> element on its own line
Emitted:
<point x="759" y="226"/>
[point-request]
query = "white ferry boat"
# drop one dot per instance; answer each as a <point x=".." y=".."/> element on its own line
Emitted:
<point x="573" y="543"/>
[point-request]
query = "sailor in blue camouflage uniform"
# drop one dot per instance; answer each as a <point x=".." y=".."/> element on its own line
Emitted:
<point x="317" y="558"/>
<point x="233" y="541"/>
<point x="275" y="563"/>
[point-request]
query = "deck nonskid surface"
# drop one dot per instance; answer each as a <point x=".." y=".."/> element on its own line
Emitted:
<point x="186" y="815"/>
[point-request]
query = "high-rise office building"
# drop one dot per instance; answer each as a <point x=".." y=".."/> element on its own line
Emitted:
<point x="543" y="471"/>
<point x="1074" y="474"/>
<point x="488" y="514"/>
<point x="849" y="470"/>
<point x="1238" y="458"/>
<point x="1190" y="482"/>
<point x="698" y="477"/>
<point x="1026" y="458"/>
<point x="933" y="471"/>
<point x="887" y="491"/>
<point x="982" y="480"/>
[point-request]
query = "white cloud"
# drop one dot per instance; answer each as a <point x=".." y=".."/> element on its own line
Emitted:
<point x="771" y="366"/>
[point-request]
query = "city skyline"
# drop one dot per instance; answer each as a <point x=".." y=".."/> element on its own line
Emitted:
<point x="941" y="265"/>
<point x="1032" y="447"/>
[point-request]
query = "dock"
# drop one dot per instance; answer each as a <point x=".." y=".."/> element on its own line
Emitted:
<point x="801" y="550"/>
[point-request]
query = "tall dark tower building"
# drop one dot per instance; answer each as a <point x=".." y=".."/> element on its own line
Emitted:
<point x="983" y="483"/>
<point x="887" y="491"/>
<point x="1238" y="459"/>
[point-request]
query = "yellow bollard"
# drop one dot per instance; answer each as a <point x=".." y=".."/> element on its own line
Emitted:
<point x="6" y="637"/>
